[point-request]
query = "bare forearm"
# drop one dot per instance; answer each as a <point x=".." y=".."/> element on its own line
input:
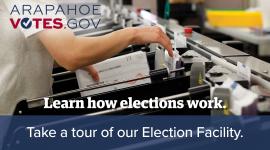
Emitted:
<point x="92" y="50"/>
<point x="74" y="52"/>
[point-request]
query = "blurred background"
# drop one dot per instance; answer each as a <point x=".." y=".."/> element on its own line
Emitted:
<point x="244" y="21"/>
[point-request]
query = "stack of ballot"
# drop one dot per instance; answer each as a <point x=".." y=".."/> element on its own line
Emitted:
<point x="243" y="101"/>
<point x="114" y="70"/>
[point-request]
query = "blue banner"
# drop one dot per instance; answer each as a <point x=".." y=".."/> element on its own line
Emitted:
<point x="134" y="132"/>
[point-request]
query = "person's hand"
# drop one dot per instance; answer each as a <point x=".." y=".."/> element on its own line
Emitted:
<point x="145" y="35"/>
<point x="92" y="72"/>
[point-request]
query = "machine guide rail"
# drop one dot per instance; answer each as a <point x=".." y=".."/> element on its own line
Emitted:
<point x="156" y="76"/>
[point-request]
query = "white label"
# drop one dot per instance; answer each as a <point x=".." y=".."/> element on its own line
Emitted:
<point x="115" y="70"/>
<point x="243" y="71"/>
<point x="180" y="41"/>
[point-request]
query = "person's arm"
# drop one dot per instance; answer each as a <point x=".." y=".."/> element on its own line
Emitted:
<point x="73" y="52"/>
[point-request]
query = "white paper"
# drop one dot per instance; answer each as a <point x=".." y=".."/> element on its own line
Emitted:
<point x="171" y="62"/>
<point x="180" y="40"/>
<point x="159" y="59"/>
<point x="243" y="71"/>
<point x="241" y="97"/>
<point x="114" y="70"/>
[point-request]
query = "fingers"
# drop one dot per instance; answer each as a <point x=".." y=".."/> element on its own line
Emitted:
<point x="93" y="73"/>
<point x="167" y="44"/>
<point x="153" y="35"/>
<point x="164" y="40"/>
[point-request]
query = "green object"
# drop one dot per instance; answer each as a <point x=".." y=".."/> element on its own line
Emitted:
<point x="167" y="11"/>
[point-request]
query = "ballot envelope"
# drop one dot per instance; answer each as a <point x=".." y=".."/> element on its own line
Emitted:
<point x="115" y="70"/>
